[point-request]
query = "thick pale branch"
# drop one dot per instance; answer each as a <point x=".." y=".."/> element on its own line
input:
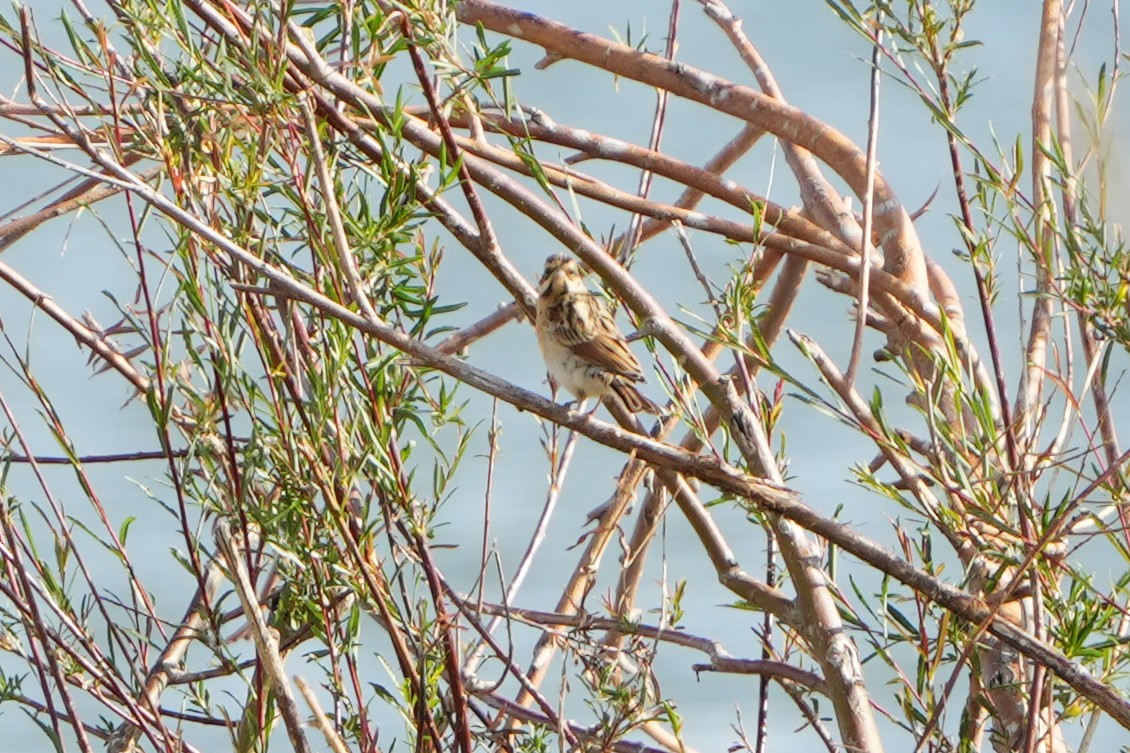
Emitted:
<point x="704" y="180"/>
<point x="720" y="659"/>
<point x="897" y="235"/>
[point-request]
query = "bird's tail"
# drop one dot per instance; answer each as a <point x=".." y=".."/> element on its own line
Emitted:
<point x="633" y="399"/>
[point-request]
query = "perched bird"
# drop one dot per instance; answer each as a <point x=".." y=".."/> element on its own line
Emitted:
<point x="583" y="349"/>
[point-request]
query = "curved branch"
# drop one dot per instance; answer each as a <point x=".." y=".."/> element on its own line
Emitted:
<point x="904" y="257"/>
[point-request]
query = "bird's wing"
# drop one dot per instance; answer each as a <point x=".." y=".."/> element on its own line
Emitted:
<point x="591" y="332"/>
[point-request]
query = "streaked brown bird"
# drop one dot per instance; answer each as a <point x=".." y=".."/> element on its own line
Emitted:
<point x="583" y="348"/>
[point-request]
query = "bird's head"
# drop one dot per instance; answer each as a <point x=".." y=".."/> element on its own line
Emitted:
<point x="562" y="275"/>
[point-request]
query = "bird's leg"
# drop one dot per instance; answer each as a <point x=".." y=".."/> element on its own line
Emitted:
<point x="578" y="406"/>
<point x="568" y="404"/>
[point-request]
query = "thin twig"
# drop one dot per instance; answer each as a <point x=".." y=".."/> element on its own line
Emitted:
<point x="863" y="299"/>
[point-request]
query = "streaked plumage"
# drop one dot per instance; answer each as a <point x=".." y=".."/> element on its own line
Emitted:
<point x="582" y="346"/>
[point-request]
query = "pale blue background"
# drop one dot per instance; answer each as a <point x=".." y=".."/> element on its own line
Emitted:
<point x="822" y="67"/>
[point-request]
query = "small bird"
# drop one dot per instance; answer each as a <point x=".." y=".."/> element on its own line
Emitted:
<point x="582" y="346"/>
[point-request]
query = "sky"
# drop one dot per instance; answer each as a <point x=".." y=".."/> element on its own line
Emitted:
<point x="822" y="67"/>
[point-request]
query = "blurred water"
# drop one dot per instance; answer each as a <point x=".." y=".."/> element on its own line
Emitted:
<point x="821" y="67"/>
